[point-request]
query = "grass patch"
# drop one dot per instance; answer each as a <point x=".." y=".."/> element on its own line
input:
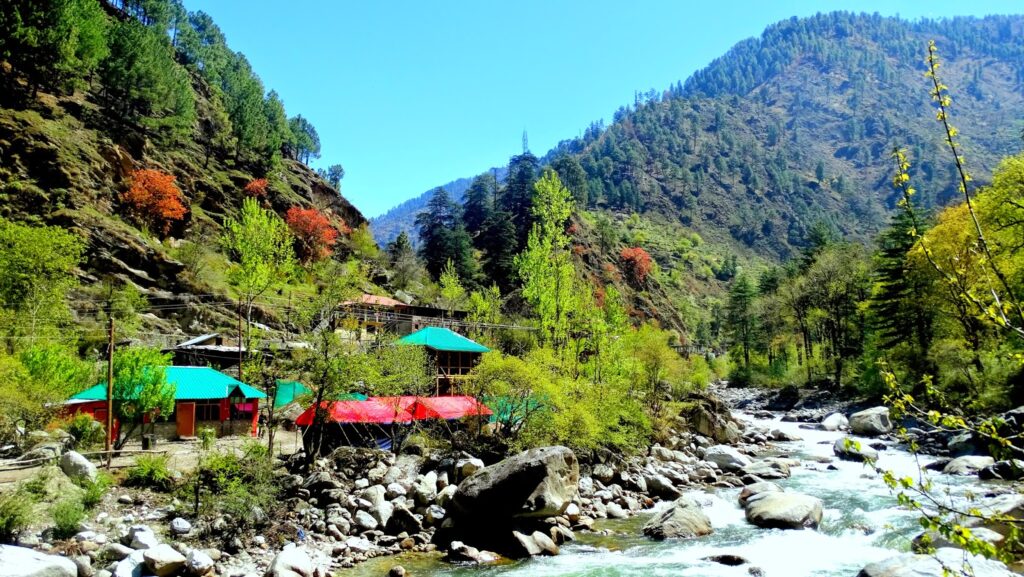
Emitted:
<point x="15" y="514"/>
<point x="68" y="514"/>
<point x="150" y="471"/>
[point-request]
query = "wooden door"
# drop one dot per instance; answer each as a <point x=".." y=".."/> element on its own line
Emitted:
<point x="186" y="419"/>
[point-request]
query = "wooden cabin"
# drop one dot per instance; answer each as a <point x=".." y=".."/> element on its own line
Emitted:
<point x="452" y="355"/>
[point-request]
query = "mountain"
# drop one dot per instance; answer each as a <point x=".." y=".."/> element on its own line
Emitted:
<point x="114" y="92"/>
<point x="794" y="129"/>
<point x="402" y="217"/>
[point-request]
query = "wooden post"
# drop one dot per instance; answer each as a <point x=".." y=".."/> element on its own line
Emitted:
<point x="110" y="386"/>
<point x="240" y="354"/>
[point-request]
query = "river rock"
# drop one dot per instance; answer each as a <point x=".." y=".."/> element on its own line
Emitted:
<point x="24" y="562"/>
<point x="849" y="449"/>
<point x="661" y="486"/>
<point x="1011" y="470"/>
<point x="290" y="562"/>
<point x="914" y="565"/>
<point x="365" y="520"/>
<point x="684" y="519"/>
<point x="775" y="510"/>
<point x="835" y="422"/>
<point x="180" y="526"/>
<point x="198" y="563"/>
<point x="466" y="467"/>
<point x="114" y="551"/>
<point x="130" y="566"/>
<point x="141" y="537"/>
<point x="756" y="489"/>
<point x="77" y="467"/>
<point x="163" y="560"/>
<point x="615" y="511"/>
<point x="537" y="483"/>
<point x="768" y="469"/>
<point x="967" y="465"/>
<point x="459" y="552"/>
<point x="871" y="422"/>
<point x="727" y="458"/>
<point x="603" y="473"/>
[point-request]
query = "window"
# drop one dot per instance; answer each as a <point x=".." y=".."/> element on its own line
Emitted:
<point x="207" y="411"/>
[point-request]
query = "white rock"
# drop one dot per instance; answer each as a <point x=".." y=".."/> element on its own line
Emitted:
<point x="358" y="544"/>
<point x="180" y="526"/>
<point x="24" y="562"/>
<point x="76" y="466"/>
<point x="835" y="422"/>
<point x="290" y="562"/>
<point x="727" y="458"/>
<point x="198" y="563"/>
<point x="967" y="465"/>
<point x="163" y="560"/>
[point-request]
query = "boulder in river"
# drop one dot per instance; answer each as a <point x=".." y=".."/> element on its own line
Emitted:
<point x="913" y="565"/>
<point x="24" y="562"/>
<point x="925" y="542"/>
<point x="768" y="469"/>
<point x="835" y="422"/>
<point x="1011" y="470"/>
<point x="774" y="510"/>
<point x="871" y="422"/>
<point x="684" y="519"/>
<point x="537" y="483"/>
<point x="756" y="489"/>
<point x="967" y="465"/>
<point x="849" y="449"/>
<point x="727" y="458"/>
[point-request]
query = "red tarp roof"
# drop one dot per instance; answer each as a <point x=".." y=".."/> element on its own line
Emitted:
<point x="453" y="407"/>
<point x="386" y="410"/>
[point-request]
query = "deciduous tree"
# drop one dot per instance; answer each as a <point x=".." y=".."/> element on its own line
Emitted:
<point x="154" y="200"/>
<point x="314" y="233"/>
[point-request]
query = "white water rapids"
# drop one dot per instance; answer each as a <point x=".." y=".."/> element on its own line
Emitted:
<point x="861" y="524"/>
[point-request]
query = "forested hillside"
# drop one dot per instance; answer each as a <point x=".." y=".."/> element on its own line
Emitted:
<point x="135" y="127"/>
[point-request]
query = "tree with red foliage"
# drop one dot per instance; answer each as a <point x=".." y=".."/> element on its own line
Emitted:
<point x="154" y="199"/>
<point x="256" y="188"/>
<point x="313" y="231"/>
<point x="637" y="262"/>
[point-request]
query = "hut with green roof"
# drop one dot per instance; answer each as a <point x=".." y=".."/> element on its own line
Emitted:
<point x="452" y="355"/>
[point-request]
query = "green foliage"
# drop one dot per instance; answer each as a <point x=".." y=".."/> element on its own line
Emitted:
<point x="207" y="438"/>
<point x="141" y="387"/>
<point x="68" y="514"/>
<point x="443" y="237"/>
<point x="239" y="485"/>
<point x="15" y="514"/>
<point x="150" y="471"/>
<point x="144" y="82"/>
<point x="93" y="491"/>
<point x="260" y="246"/>
<point x="362" y="243"/>
<point x="87" y="431"/>
<point x="452" y="292"/>
<point x="34" y="382"/>
<point x="306" y="141"/>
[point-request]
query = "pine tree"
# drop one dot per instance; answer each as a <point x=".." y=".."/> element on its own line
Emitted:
<point x="479" y="203"/>
<point x="436" y="225"/>
<point x="572" y="175"/>
<point x="741" y="317"/>
<point x="498" y="241"/>
<point x="516" y="198"/>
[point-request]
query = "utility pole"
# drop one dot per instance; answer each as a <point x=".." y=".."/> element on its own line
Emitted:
<point x="240" y="353"/>
<point x="110" y="385"/>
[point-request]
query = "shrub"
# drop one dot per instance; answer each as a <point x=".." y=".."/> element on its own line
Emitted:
<point x="256" y="188"/>
<point x="637" y="263"/>
<point x="93" y="491"/>
<point x="36" y="486"/>
<point x="15" y="513"/>
<point x="240" y="486"/>
<point x="207" y="438"/>
<point x="150" y="471"/>
<point x="154" y="199"/>
<point x="313" y="231"/>
<point x="87" y="431"/>
<point x="68" y="515"/>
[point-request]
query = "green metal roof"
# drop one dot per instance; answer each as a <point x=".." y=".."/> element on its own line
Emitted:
<point x="442" y="340"/>
<point x="199" y="383"/>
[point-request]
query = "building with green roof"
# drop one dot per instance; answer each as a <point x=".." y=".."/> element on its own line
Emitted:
<point x="202" y="395"/>
<point x="452" y="354"/>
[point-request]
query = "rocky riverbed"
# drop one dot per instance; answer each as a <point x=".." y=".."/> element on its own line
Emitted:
<point x="744" y="493"/>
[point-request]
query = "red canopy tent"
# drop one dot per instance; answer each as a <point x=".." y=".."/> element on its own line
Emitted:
<point x="451" y="407"/>
<point x="371" y="410"/>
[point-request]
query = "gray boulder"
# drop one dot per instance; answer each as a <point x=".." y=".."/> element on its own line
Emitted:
<point x="180" y="526"/>
<point x="849" y="449"/>
<point x="835" y="422"/>
<point x="198" y="563"/>
<point x="290" y="562"/>
<point x="871" y="422"/>
<point x="466" y="467"/>
<point x="459" y="552"/>
<point x="141" y="537"/>
<point x="75" y="466"/>
<point x="130" y="566"/>
<point x="537" y="483"/>
<point x="727" y="458"/>
<point x="1010" y="470"/>
<point x="24" y="562"/>
<point x="768" y="469"/>
<point x="756" y="489"/>
<point x="913" y="565"/>
<point x="967" y="465"/>
<point x="661" y="486"/>
<point x="775" y="510"/>
<point x="684" y="519"/>
<point x="163" y="560"/>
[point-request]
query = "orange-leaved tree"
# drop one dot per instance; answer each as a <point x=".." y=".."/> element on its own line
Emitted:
<point x="256" y="188"/>
<point x="637" y="262"/>
<point x="313" y="231"/>
<point x="154" y="199"/>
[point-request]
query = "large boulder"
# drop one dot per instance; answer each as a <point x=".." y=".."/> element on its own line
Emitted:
<point x="290" y="562"/>
<point x="756" y="489"/>
<point x="849" y="449"/>
<point x="24" y="562"/>
<point x="660" y="486"/>
<point x="198" y="563"/>
<point x="1011" y="470"/>
<point x="835" y="422"/>
<point x="967" y="465"/>
<point x="912" y="565"/>
<point x="537" y="483"/>
<point x="775" y="510"/>
<point x="727" y="458"/>
<point x="77" y="467"/>
<point x="768" y="469"/>
<point x="684" y="519"/>
<point x="871" y="422"/>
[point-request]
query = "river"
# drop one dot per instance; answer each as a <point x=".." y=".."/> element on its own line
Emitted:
<point x="861" y="524"/>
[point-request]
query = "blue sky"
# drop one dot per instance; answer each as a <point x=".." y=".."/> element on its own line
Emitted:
<point x="410" y="95"/>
